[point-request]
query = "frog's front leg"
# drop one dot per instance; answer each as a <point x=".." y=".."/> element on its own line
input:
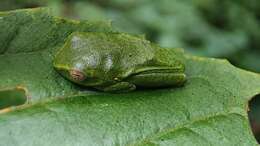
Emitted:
<point x="118" y="87"/>
<point x="158" y="79"/>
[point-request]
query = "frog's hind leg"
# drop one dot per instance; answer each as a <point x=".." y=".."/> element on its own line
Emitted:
<point x="153" y="80"/>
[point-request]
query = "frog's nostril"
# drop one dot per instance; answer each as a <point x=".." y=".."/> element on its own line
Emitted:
<point x="77" y="75"/>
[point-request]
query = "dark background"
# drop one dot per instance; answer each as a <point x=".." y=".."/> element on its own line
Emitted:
<point x="215" y="28"/>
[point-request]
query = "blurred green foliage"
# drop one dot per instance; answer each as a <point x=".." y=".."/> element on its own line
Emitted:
<point x="215" y="28"/>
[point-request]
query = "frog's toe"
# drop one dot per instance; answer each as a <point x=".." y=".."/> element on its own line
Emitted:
<point x="119" y="87"/>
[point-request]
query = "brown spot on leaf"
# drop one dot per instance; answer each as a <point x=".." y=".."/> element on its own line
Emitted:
<point x="12" y="97"/>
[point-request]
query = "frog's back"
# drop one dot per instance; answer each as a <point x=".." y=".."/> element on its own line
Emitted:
<point x="112" y="51"/>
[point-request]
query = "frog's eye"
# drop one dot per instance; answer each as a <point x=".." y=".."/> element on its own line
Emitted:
<point x="77" y="75"/>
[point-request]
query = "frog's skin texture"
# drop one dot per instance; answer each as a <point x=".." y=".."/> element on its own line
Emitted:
<point x="117" y="62"/>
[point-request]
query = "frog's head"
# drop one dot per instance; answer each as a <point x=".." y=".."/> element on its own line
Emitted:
<point x="80" y="60"/>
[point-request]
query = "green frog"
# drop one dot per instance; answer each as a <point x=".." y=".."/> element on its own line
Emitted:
<point x="117" y="62"/>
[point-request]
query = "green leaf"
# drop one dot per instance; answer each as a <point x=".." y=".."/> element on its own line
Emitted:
<point x="211" y="109"/>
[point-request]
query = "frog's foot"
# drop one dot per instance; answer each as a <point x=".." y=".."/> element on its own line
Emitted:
<point x="153" y="80"/>
<point x="119" y="87"/>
